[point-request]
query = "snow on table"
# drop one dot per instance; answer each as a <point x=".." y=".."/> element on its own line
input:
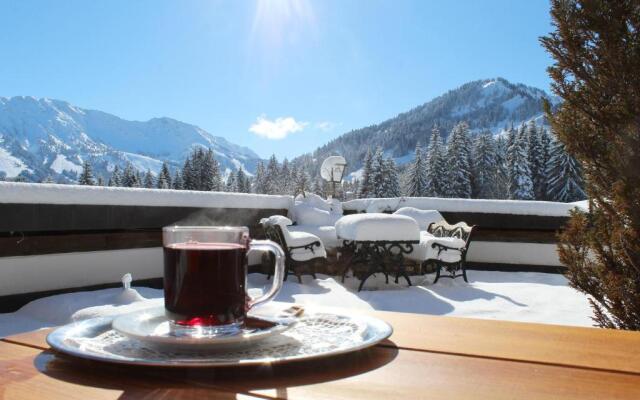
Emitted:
<point x="518" y="207"/>
<point x="377" y="227"/>
<point x="513" y="296"/>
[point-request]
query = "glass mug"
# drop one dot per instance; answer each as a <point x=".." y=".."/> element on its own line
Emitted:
<point x="205" y="278"/>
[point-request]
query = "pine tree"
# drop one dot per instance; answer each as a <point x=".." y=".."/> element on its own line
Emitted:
<point x="565" y="177"/>
<point x="177" y="182"/>
<point x="189" y="181"/>
<point x="272" y="176"/>
<point x="285" y="178"/>
<point x="129" y="176"/>
<point x="484" y="167"/>
<point x="242" y="182"/>
<point x="436" y="171"/>
<point x="164" y="177"/>
<point x="545" y="160"/>
<point x="148" y="180"/>
<point x="535" y="160"/>
<point x="595" y="48"/>
<point x="377" y="173"/>
<point x="512" y="135"/>
<point x="302" y="183"/>
<point x="390" y="179"/>
<point x="210" y="178"/>
<point x="458" y="155"/>
<point x="366" y="184"/>
<point x="259" y="179"/>
<point x="86" y="177"/>
<point x="502" y="172"/>
<point x="116" y="177"/>
<point x="417" y="175"/>
<point x="520" y="183"/>
<point x="100" y="181"/>
<point x="232" y="184"/>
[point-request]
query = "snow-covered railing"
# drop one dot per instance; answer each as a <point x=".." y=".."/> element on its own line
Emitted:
<point x="58" y="237"/>
<point x="514" y="207"/>
<point x="42" y="193"/>
<point x="49" y="218"/>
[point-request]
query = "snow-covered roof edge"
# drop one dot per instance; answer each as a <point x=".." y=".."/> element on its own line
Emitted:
<point x="44" y="193"/>
<point x="518" y="207"/>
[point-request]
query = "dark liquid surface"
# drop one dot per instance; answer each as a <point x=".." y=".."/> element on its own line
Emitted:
<point x="205" y="283"/>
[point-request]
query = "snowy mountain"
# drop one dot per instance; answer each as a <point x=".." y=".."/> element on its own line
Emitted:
<point x="488" y="104"/>
<point x="45" y="137"/>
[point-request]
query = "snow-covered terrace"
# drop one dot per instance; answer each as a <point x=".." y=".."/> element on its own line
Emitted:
<point x="56" y="238"/>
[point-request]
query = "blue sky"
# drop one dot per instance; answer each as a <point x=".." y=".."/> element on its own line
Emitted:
<point x="279" y="76"/>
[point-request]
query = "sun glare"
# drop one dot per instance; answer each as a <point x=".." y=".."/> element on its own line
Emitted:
<point x="277" y="23"/>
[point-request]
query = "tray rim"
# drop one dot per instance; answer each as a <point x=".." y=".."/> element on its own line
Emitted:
<point x="55" y="340"/>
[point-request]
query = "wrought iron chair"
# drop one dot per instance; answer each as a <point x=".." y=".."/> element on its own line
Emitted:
<point x="451" y="258"/>
<point x="303" y="251"/>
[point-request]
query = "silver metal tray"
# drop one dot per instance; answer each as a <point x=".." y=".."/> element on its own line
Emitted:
<point x="315" y="335"/>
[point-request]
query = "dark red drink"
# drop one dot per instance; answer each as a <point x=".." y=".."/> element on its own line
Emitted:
<point x="205" y="283"/>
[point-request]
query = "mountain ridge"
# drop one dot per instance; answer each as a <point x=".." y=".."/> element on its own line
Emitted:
<point x="485" y="104"/>
<point x="43" y="137"/>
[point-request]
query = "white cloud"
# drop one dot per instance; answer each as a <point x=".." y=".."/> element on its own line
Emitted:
<point x="276" y="129"/>
<point x="326" y="126"/>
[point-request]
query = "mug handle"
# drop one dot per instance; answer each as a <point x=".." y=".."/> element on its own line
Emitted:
<point x="278" y="276"/>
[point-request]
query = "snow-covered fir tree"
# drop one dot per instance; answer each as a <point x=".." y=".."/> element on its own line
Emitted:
<point x="436" y="171"/>
<point x="565" y="176"/>
<point x="272" y="176"/>
<point x="302" y="183"/>
<point x="520" y="183"/>
<point x="377" y="173"/>
<point x="243" y="185"/>
<point x="390" y="179"/>
<point x="502" y="174"/>
<point x="177" y="183"/>
<point x="231" y="185"/>
<point x="130" y="176"/>
<point x="416" y="179"/>
<point x="86" y="177"/>
<point x="484" y="167"/>
<point x="201" y="171"/>
<point x="259" y="179"/>
<point x="100" y="181"/>
<point x="210" y="177"/>
<point x="148" y="180"/>
<point x="286" y="183"/>
<point x="116" y="177"/>
<point x="164" y="177"/>
<point x="545" y="142"/>
<point x="458" y="155"/>
<point x="535" y="159"/>
<point x="188" y="175"/>
<point x="366" y="183"/>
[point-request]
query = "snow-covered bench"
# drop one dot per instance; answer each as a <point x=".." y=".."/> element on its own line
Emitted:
<point x="377" y="242"/>
<point x="302" y="249"/>
<point x="424" y="218"/>
<point x="441" y="243"/>
<point x="445" y="245"/>
<point x="313" y="214"/>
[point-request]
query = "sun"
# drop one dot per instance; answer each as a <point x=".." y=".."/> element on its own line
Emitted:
<point x="280" y="22"/>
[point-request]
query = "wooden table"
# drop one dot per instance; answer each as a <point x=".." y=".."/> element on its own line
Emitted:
<point x="427" y="357"/>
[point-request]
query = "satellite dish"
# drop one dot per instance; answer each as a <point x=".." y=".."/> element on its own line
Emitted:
<point x="332" y="169"/>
